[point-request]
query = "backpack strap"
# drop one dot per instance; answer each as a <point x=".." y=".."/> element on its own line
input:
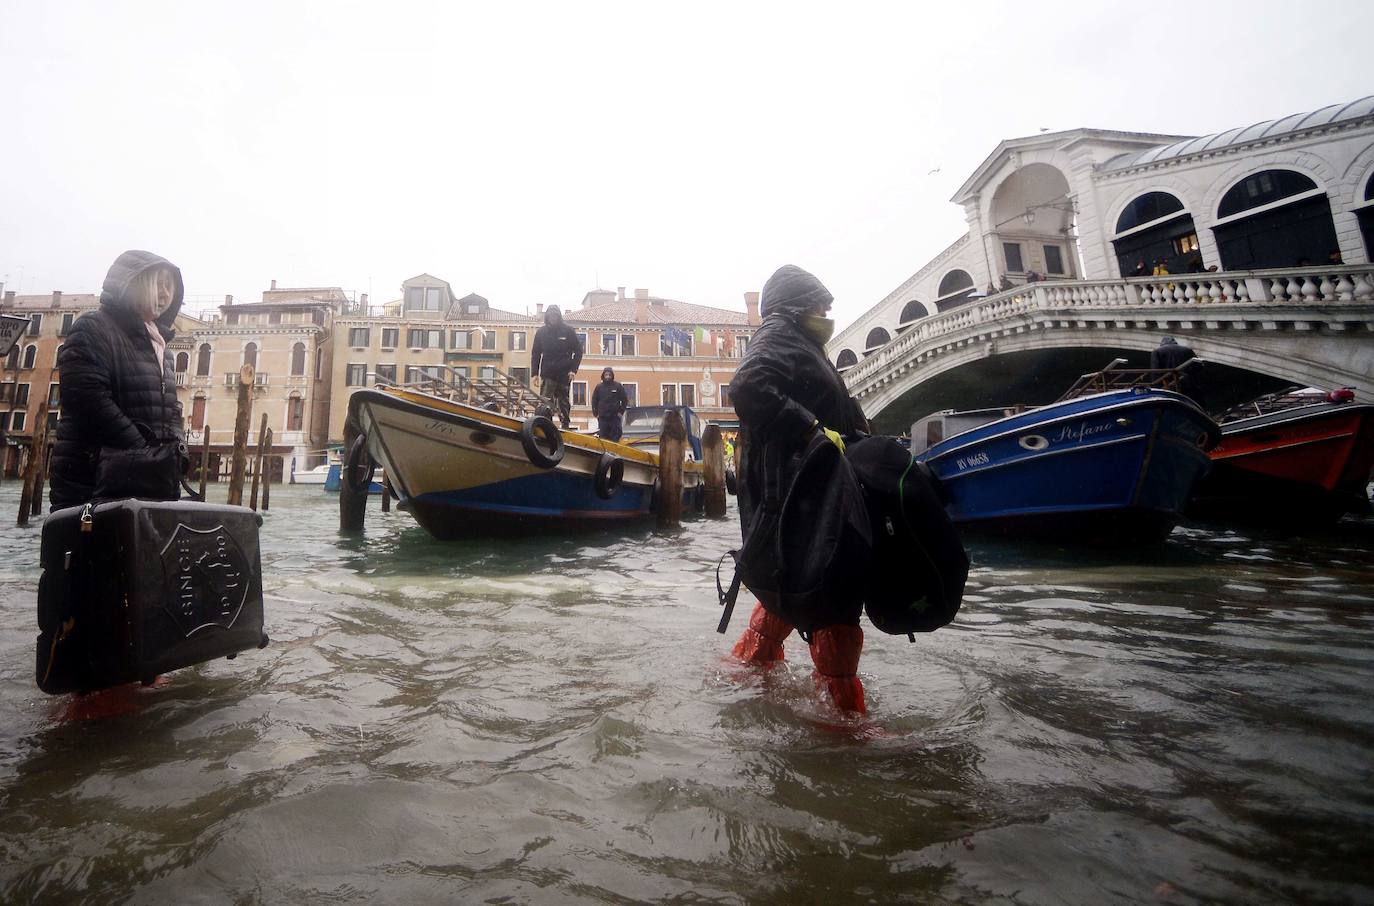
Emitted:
<point x="727" y="597"/>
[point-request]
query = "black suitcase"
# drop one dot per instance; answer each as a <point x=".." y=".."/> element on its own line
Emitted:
<point x="134" y="588"/>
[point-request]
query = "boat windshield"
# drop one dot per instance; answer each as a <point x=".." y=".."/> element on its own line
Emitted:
<point x="648" y="420"/>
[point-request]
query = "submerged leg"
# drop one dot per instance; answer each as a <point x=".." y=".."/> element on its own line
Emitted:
<point x="761" y="642"/>
<point x="835" y="652"/>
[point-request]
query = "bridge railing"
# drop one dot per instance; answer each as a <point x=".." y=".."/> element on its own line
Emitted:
<point x="1293" y="287"/>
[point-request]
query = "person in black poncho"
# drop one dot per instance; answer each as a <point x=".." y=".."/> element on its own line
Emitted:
<point x="785" y="391"/>
<point x="609" y="403"/>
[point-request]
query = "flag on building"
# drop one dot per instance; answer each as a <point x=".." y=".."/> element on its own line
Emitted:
<point x="706" y="341"/>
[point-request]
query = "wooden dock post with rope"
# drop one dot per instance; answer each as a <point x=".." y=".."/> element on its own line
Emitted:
<point x="713" y="462"/>
<point x="672" y="449"/>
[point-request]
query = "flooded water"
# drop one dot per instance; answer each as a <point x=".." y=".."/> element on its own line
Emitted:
<point x="556" y="721"/>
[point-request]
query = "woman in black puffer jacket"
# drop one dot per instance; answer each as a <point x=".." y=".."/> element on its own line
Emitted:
<point x="117" y="377"/>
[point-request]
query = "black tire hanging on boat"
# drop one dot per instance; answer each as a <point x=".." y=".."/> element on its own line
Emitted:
<point x="533" y="426"/>
<point x="731" y="483"/>
<point x="610" y="472"/>
<point x="355" y="473"/>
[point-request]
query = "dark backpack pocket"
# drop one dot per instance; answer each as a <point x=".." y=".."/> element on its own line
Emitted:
<point x="919" y="565"/>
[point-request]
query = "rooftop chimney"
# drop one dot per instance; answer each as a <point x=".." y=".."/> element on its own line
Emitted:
<point x="641" y="311"/>
<point x="751" y="305"/>
<point x="9" y="297"/>
<point x="620" y="293"/>
<point x="539" y="308"/>
<point x="362" y="301"/>
<point x="641" y="294"/>
<point x="228" y="299"/>
<point x="274" y="284"/>
<point x="56" y="298"/>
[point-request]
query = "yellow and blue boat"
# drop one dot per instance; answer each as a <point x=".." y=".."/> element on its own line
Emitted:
<point x="463" y="469"/>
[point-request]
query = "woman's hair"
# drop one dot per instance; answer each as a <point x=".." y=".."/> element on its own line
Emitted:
<point x="142" y="292"/>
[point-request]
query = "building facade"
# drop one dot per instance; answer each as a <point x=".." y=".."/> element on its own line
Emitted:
<point x="665" y="352"/>
<point x="287" y="338"/>
<point x="1096" y="204"/>
<point x="428" y="332"/>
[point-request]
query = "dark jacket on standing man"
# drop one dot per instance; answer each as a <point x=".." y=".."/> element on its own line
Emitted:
<point x="555" y="352"/>
<point x="609" y="397"/>
<point x="111" y="378"/>
<point x="784" y="386"/>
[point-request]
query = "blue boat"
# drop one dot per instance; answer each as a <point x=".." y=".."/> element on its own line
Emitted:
<point x="1110" y="467"/>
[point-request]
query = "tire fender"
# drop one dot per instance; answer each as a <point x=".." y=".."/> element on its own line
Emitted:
<point x="534" y="426"/>
<point x="610" y="472"/>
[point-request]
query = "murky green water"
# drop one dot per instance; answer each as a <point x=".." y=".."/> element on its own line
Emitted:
<point x="555" y="721"/>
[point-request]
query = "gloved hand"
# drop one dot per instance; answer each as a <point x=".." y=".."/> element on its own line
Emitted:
<point x="834" y="437"/>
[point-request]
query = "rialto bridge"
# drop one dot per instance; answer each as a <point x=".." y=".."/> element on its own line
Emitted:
<point x="1256" y="332"/>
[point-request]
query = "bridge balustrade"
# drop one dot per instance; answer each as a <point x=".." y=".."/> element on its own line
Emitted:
<point x="1201" y="296"/>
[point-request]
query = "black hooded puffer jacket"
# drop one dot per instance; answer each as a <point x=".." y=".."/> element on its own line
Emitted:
<point x="785" y="385"/>
<point x="111" y="378"/>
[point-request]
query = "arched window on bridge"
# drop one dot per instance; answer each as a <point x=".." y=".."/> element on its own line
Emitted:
<point x="1154" y="227"/>
<point x="1274" y="218"/>
<point x="1365" y="215"/>
<point x="912" y="312"/>
<point x="876" y="338"/>
<point x="847" y="359"/>
<point x="955" y="288"/>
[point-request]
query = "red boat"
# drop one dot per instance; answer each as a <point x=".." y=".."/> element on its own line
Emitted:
<point x="1296" y="459"/>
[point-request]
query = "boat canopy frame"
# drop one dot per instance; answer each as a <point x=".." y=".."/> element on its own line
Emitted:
<point x="1114" y="377"/>
<point x="499" y="392"/>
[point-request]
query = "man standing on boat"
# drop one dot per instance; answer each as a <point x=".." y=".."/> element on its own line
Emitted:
<point x="609" y="402"/>
<point x="785" y="392"/>
<point x="1169" y="354"/>
<point x="555" y="356"/>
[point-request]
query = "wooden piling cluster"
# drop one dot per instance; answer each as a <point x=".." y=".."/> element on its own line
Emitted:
<point x="241" y="420"/>
<point x="672" y="450"/>
<point x="35" y="470"/>
<point x="352" y="504"/>
<point x="713" y="461"/>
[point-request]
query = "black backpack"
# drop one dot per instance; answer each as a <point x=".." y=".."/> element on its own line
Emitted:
<point x="919" y="567"/>
<point x="806" y="555"/>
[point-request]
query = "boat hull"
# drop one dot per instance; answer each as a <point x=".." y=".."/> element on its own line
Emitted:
<point x="463" y="472"/>
<point x="1307" y="465"/>
<point x="1111" y="468"/>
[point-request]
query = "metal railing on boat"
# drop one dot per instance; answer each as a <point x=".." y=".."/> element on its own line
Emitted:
<point x="497" y="391"/>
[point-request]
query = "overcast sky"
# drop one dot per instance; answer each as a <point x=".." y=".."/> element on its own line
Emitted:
<point x="529" y="151"/>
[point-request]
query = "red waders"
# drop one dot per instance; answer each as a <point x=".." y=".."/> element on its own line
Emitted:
<point x="834" y="650"/>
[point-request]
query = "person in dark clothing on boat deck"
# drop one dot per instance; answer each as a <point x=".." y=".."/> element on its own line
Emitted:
<point x="785" y="391"/>
<point x="609" y="402"/>
<point x="1170" y="354"/>
<point x="118" y="381"/>
<point x="555" y="357"/>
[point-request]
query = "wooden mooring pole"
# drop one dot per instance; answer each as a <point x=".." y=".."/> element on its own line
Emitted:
<point x="386" y="493"/>
<point x="352" y="504"/>
<point x="258" y="454"/>
<point x="267" y="476"/>
<point x="204" y="457"/>
<point x="672" y="448"/>
<point x="241" y="419"/>
<point x="713" y="459"/>
<point x="33" y="464"/>
<point x="45" y="463"/>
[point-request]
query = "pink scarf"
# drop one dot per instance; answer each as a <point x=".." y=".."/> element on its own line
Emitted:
<point x="159" y="344"/>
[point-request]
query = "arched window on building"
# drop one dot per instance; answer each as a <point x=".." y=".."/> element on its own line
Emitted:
<point x="203" y="360"/>
<point x="295" y="413"/>
<point x="183" y="362"/>
<point x="1154" y="228"/>
<point x="846" y="359"/>
<point x="298" y="360"/>
<point x="30" y="356"/>
<point x="1274" y="218"/>
<point x="57" y="354"/>
<point x="198" y="404"/>
<point x="876" y="338"/>
<point x="250" y="354"/>
<point x="1365" y="215"/>
<point x="955" y="288"/>
<point x="912" y="312"/>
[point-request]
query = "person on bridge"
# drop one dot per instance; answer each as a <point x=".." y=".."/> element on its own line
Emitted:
<point x="1170" y="354"/>
<point x="555" y="356"/>
<point x="785" y="391"/>
<point x="609" y="403"/>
